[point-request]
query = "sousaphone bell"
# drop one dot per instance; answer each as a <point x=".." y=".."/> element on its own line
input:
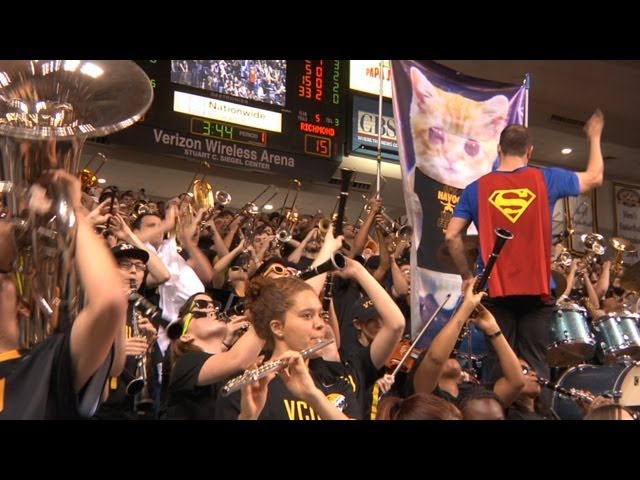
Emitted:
<point x="48" y="108"/>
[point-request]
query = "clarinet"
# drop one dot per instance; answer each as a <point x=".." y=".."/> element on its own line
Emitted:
<point x="347" y="175"/>
<point x="502" y="235"/>
<point x="336" y="262"/>
<point x="326" y="296"/>
<point x="265" y="369"/>
<point x="571" y="393"/>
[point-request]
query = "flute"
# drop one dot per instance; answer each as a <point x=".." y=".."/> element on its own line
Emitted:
<point x="265" y="369"/>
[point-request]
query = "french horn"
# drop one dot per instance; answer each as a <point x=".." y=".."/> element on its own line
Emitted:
<point x="48" y="108"/>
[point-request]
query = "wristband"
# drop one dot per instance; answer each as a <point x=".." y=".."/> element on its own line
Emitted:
<point x="494" y="335"/>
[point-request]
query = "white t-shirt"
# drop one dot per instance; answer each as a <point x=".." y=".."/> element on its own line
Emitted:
<point x="183" y="283"/>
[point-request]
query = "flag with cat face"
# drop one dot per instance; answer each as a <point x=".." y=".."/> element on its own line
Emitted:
<point x="449" y="127"/>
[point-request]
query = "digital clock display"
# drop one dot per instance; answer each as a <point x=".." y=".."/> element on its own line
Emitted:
<point x="210" y="128"/>
<point x="281" y="116"/>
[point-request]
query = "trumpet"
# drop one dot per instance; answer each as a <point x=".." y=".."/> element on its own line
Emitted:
<point x="388" y="224"/>
<point x="564" y="258"/>
<point x="265" y="369"/>
<point x="593" y="244"/>
<point x="139" y="207"/>
<point x="283" y="235"/>
<point x="222" y="198"/>
<point x="324" y="224"/>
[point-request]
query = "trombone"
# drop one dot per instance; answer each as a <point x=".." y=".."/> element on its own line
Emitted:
<point x="285" y="233"/>
<point x="250" y="209"/>
<point x="325" y="223"/>
<point x="89" y="178"/>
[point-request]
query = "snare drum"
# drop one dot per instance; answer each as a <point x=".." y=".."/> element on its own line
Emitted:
<point x="618" y="335"/>
<point x="621" y="381"/>
<point x="571" y="340"/>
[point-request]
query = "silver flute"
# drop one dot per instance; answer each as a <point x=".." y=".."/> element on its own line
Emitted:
<point x="265" y="369"/>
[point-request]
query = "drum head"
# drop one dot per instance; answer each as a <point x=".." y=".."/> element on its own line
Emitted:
<point x="621" y="381"/>
<point x="571" y="341"/>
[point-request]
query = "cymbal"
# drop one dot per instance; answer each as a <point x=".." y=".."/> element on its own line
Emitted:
<point x="470" y="243"/>
<point x="561" y="281"/>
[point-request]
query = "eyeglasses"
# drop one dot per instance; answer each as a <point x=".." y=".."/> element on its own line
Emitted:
<point x="526" y="370"/>
<point x="277" y="269"/>
<point x="140" y="267"/>
<point x="236" y="268"/>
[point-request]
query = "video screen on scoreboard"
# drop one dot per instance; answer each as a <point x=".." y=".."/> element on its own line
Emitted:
<point x="259" y="80"/>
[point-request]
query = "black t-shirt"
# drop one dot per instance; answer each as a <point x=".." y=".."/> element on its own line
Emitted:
<point x="39" y="385"/>
<point x="118" y="404"/>
<point x="405" y="308"/>
<point x="359" y="365"/>
<point x="304" y="263"/>
<point x="186" y="400"/>
<point x="345" y="298"/>
<point x="204" y="244"/>
<point x="283" y="405"/>
<point x="410" y="390"/>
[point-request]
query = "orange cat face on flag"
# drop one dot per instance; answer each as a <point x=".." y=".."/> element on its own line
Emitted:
<point x="455" y="138"/>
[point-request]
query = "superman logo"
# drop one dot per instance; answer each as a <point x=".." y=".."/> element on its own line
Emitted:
<point x="512" y="203"/>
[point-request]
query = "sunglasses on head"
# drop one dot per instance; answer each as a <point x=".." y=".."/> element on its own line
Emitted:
<point x="277" y="269"/>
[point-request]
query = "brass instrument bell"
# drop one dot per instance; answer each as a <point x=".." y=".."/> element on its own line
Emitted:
<point x="622" y="246"/>
<point x="138" y="208"/>
<point x="48" y="108"/>
<point x="88" y="177"/>
<point x="564" y="258"/>
<point x="222" y="197"/>
<point x="202" y="195"/>
<point x="593" y="242"/>
<point x="324" y="224"/>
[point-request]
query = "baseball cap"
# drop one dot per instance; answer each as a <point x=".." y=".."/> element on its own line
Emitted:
<point x="126" y="250"/>
<point x="364" y="310"/>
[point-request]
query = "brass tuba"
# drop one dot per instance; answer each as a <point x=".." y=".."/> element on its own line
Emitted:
<point x="48" y="108"/>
